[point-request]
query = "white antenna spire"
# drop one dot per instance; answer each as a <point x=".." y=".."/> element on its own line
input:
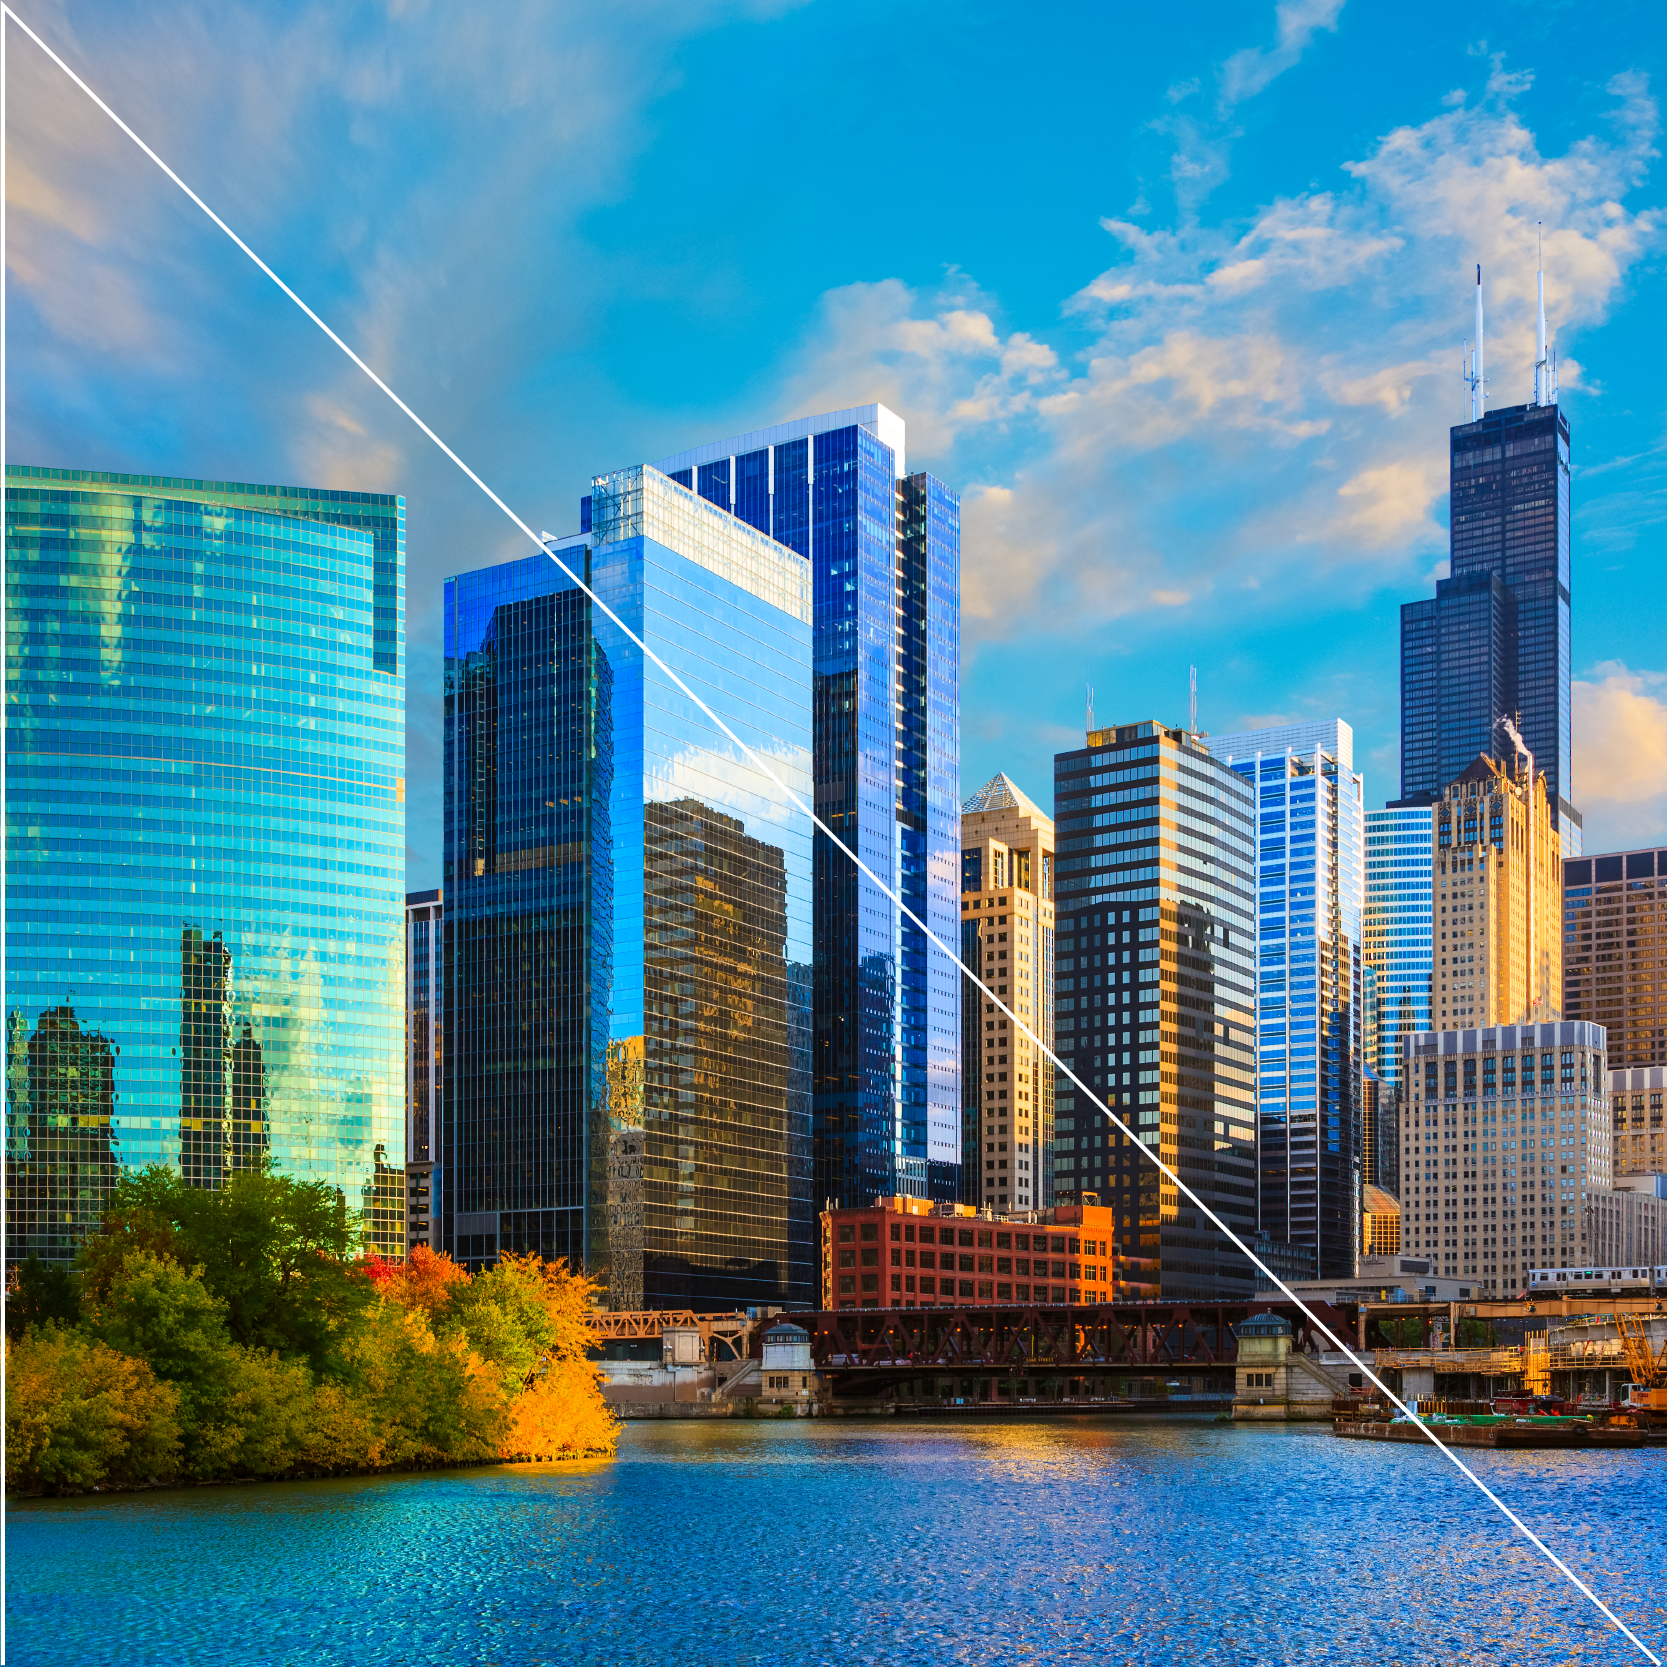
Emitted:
<point x="1542" y="366"/>
<point x="1192" y="700"/>
<point x="1090" y="688"/>
<point x="1473" y="378"/>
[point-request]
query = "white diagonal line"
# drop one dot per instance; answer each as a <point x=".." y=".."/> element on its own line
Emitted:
<point x="792" y="798"/>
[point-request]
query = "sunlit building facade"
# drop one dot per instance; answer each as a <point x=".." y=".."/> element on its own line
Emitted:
<point x="1614" y="930"/>
<point x="884" y="549"/>
<point x="628" y="908"/>
<point x="205" y="842"/>
<point x="1309" y="859"/>
<point x="1155" y="997"/>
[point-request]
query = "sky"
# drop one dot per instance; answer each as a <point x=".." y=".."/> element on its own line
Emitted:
<point x="1174" y="297"/>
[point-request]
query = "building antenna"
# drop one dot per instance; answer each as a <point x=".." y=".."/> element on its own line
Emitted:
<point x="1090" y="688"/>
<point x="1192" y="700"/>
<point x="1542" y="366"/>
<point x="1473" y="377"/>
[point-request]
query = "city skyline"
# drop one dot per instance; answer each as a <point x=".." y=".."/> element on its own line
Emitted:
<point x="1168" y="359"/>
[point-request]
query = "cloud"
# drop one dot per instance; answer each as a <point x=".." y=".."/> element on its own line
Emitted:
<point x="1296" y="22"/>
<point x="1620" y="743"/>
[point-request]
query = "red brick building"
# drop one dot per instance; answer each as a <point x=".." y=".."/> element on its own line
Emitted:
<point x="907" y="1253"/>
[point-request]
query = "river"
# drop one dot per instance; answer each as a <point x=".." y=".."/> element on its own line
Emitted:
<point x="736" y="1542"/>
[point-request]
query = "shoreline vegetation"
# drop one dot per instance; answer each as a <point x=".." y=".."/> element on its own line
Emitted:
<point x="234" y="1336"/>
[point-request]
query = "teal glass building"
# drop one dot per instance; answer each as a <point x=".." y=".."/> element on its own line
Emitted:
<point x="1398" y="929"/>
<point x="205" y="841"/>
<point x="628" y="908"/>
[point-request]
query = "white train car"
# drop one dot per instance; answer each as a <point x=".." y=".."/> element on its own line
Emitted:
<point x="1596" y="1281"/>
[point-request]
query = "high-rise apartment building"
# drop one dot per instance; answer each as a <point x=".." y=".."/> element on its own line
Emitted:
<point x="1636" y="1093"/>
<point x="424" y="1030"/>
<point x="884" y="548"/>
<point x="1154" y="995"/>
<point x="1309" y="807"/>
<point x="1506" y="1138"/>
<point x="1498" y="900"/>
<point x="1494" y="642"/>
<point x="1614" y="935"/>
<point x="628" y="908"/>
<point x="1007" y="927"/>
<point x="205" y="842"/>
<point x="1395" y="930"/>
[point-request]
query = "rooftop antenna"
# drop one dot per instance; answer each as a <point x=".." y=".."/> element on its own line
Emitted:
<point x="1473" y="376"/>
<point x="1192" y="700"/>
<point x="1542" y="365"/>
<point x="1090" y="688"/>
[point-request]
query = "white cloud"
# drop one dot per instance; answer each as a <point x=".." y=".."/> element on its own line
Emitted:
<point x="1620" y="747"/>
<point x="1296" y="23"/>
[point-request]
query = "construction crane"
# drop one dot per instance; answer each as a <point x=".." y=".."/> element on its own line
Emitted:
<point x="1647" y="1365"/>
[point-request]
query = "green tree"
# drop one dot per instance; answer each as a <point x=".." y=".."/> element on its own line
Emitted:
<point x="274" y="1250"/>
<point x="41" y="1292"/>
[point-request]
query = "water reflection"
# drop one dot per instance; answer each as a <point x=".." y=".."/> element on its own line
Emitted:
<point x="1057" y="1541"/>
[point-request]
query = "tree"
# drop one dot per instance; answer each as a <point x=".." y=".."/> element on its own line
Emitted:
<point x="41" y="1292"/>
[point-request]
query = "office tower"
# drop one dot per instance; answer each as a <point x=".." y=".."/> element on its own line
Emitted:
<point x="1507" y="1135"/>
<point x="1498" y="901"/>
<point x="1612" y="906"/>
<point x="206" y="841"/>
<point x="1494" y="641"/>
<point x="424" y="987"/>
<point x="1308" y="861"/>
<point x="628" y="908"/>
<point x="1396" y="933"/>
<point x="1007" y="901"/>
<point x="1640" y="1140"/>
<point x="884" y="548"/>
<point x="1380" y="1134"/>
<point x="1154" y="1000"/>
<point x="1380" y="1221"/>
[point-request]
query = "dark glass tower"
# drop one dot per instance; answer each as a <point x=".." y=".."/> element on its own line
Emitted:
<point x="884" y="549"/>
<point x="1495" y="640"/>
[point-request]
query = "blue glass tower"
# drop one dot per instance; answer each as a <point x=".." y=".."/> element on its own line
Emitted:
<point x="1309" y="809"/>
<point x="1494" y="641"/>
<point x="628" y="909"/>
<point x="1397" y="929"/>
<point x="884" y="551"/>
<point x="205" y="841"/>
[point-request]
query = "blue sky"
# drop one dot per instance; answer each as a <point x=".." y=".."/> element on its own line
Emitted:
<point x="1174" y="296"/>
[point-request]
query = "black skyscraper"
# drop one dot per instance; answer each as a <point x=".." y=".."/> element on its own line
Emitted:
<point x="1494" y="641"/>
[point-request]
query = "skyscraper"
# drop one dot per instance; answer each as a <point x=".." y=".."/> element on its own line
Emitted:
<point x="628" y="908"/>
<point x="1308" y="868"/>
<point x="1614" y="924"/>
<point x="1007" y="881"/>
<point x="1498" y="901"/>
<point x="206" y="840"/>
<point x="1396" y="931"/>
<point x="884" y="548"/>
<point x="1494" y="642"/>
<point x="424" y="1050"/>
<point x="1155" y="998"/>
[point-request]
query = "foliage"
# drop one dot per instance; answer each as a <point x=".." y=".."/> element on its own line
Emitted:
<point x="274" y="1250"/>
<point x="1477" y="1334"/>
<point x="41" y="1291"/>
<point x="206" y="1351"/>
<point x="1403" y="1334"/>
<point x="81" y="1415"/>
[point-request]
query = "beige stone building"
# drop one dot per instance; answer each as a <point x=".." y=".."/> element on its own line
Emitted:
<point x="1498" y="902"/>
<point x="1007" y="930"/>
<point x="1615" y="951"/>
<point x="1640" y="1138"/>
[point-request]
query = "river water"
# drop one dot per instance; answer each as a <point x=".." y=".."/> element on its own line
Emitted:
<point x="839" y="1541"/>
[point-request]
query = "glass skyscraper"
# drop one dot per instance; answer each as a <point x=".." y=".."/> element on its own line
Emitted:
<point x="1397" y="931"/>
<point x="1494" y="641"/>
<point x="1154" y="998"/>
<point x="628" y="908"/>
<point x="205" y="841"/>
<point x="1309" y="810"/>
<point x="884" y="549"/>
<point x="424" y="1050"/>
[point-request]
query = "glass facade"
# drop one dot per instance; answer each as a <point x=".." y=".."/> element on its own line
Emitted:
<point x="628" y="908"/>
<point x="1495" y="641"/>
<point x="883" y="551"/>
<point x="424" y="1051"/>
<point x="1613" y="909"/>
<point x="205" y="841"/>
<point x="1155" y="998"/>
<point x="1309" y="811"/>
<point x="1397" y="931"/>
